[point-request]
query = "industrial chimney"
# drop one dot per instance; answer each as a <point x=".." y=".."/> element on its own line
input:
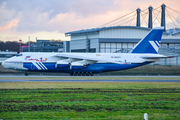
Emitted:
<point x="150" y="25"/>
<point x="138" y="17"/>
<point x="163" y="21"/>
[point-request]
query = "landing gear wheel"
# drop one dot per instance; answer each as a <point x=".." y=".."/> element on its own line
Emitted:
<point x="91" y="74"/>
<point x="83" y="74"/>
<point x="87" y="74"/>
<point x="71" y="74"/>
<point x="79" y="74"/>
<point x="75" y="74"/>
<point x="26" y="74"/>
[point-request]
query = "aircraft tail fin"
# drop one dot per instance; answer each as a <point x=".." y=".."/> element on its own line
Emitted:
<point x="151" y="43"/>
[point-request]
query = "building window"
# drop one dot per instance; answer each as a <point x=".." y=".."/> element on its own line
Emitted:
<point x="103" y="45"/>
<point x="102" y="50"/>
<point x="108" y="45"/>
<point x="118" y="45"/>
<point x="113" y="50"/>
<point x="113" y="45"/>
<point x="108" y="50"/>
<point x="124" y="45"/>
<point x="84" y="50"/>
<point x="130" y="45"/>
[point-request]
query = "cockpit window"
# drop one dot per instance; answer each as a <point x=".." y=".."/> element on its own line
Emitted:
<point x="18" y="55"/>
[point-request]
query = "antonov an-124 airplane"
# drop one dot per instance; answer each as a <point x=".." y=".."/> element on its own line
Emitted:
<point x="77" y="64"/>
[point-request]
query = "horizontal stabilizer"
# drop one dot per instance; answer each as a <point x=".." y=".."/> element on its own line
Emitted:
<point x="157" y="57"/>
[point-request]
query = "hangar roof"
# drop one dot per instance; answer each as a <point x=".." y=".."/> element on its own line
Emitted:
<point x="94" y="30"/>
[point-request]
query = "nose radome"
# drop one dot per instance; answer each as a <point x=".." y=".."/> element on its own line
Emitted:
<point x="4" y="64"/>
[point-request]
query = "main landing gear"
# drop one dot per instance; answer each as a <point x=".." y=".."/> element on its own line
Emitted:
<point x="82" y="74"/>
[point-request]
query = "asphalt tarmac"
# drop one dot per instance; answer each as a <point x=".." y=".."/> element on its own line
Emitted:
<point x="103" y="76"/>
<point x="41" y="78"/>
<point x="52" y="80"/>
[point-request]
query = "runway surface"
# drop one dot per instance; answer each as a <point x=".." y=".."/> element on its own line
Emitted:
<point x="103" y="76"/>
<point x="45" y="78"/>
<point x="49" y="80"/>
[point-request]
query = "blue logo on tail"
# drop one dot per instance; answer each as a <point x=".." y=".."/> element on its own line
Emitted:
<point x="151" y="43"/>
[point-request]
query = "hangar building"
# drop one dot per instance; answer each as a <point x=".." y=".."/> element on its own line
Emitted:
<point x="121" y="39"/>
<point x="113" y="39"/>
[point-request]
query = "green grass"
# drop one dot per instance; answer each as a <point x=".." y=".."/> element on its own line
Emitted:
<point x="90" y="85"/>
<point x="108" y="101"/>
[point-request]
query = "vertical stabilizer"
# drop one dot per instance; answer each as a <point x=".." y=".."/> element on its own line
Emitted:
<point x="151" y="43"/>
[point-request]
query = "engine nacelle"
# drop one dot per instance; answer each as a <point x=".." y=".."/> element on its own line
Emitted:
<point x="62" y="64"/>
<point x="77" y="65"/>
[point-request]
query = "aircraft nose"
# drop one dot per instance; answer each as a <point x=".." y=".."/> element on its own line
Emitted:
<point x="4" y="64"/>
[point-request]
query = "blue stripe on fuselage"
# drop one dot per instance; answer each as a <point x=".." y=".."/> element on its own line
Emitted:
<point x="96" y="67"/>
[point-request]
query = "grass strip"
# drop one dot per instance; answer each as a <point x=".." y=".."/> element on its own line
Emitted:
<point x="158" y="100"/>
<point x="93" y="85"/>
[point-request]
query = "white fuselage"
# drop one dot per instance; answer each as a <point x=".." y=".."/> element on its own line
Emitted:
<point x="17" y="62"/>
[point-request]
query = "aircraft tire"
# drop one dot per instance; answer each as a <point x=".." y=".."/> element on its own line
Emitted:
<point x="75" y="74"/>
<point x="83" y="74"/>
<point x="91" y="74"/>
<point x="78" y="74"/>
<point x="87" y="73"/>
<point x="26" y="74"/>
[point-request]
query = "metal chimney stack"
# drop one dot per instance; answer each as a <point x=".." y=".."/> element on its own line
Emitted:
<point x="150" y="25"/>
<point x="163" y="21"/>
<point x="138" y="24"/>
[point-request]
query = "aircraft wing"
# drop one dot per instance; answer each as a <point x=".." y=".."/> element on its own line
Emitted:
<point x="74" y="60"/>
<point x="79" y="60"/>
<point x="66" y="56"/>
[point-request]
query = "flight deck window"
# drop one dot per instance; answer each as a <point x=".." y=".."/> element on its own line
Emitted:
<point x="18" y="55"/>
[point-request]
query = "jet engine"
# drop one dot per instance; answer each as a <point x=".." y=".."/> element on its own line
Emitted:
<point x="80" y="64"/>
<point x="62" y="64"/>
<point x="77" y="65"/>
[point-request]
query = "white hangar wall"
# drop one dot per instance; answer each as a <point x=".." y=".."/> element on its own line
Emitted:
<point x="123" y="33"/>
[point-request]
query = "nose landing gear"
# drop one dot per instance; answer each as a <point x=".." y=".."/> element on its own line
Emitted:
<point x="26" y="74"/>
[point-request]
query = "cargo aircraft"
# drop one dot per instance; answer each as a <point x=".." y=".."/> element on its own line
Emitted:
<point x="82" y="64"/>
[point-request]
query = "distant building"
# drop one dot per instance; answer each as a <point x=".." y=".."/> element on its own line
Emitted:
<point x="45" y="46"/>
<point x="66" y="46"/>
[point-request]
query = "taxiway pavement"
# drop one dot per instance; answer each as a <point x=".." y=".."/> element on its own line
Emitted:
<point x="45" y="78"/>
<point x="52" y="80"/>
